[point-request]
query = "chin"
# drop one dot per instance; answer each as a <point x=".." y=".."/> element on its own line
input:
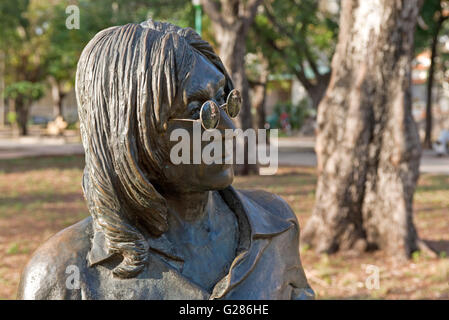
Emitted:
<point x="219" y="177"/>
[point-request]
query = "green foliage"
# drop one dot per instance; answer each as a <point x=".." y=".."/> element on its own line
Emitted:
<point x="34" y="36"/>
<point x="416" y="256"/>
<point x="296" y="114"/>
<point x="26" y="90"/>
<point x="39" y="47"/>
<point x="73" y="126"/>
<point x="294" y="34"/>
<point x="66" y="45"/>
<point x="11" y="117"/>
<point x="24" y="39"/>
<point x="11" y="19"/>
<point x="425" y="30"/>
<point x="13" y="248"/>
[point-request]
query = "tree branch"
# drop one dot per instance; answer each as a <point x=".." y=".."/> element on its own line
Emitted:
<point x="250" y="12"/>
<point x="303" y="79"/>
<point x="213" y="11"/>
<point x="309" y="57"/>
<point x="282" y="29"/>
<point x="298" y="46"/>
<point x="298" y="73"/>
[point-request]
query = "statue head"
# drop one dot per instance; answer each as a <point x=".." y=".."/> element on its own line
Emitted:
<point x="131" y="81"/>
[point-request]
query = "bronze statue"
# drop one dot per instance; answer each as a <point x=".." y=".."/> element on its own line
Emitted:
<point x="158" y="230"/>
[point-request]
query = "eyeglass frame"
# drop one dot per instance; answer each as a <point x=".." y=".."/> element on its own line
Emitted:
<point x="223" y="107"/>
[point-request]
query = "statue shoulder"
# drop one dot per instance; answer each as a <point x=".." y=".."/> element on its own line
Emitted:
<point x="46" y="273"/>
<point x="272" y="203"/>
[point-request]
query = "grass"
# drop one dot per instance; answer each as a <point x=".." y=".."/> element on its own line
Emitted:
<point x="40" y="196"/>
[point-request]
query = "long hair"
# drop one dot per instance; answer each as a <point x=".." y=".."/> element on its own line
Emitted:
<point x="127" y="82"/>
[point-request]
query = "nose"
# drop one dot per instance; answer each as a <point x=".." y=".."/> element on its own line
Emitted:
<point x="225" y="121"/>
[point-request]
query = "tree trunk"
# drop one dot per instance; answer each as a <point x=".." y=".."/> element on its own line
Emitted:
<point x="231" y="21"/>
<point x="2" y="89"/>
<point x="368" y="145"/>
<point x="57" y="96"/>
<point x="259" y="93"/>
<point x="259" y="98"/>
<point x="232" y="52"/>
<point x="318" y="90"/>
<point x="430" y="78"/>
<point x="22" y="110"/>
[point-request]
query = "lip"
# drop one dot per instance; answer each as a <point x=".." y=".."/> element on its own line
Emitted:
<point x="223" y="159"/>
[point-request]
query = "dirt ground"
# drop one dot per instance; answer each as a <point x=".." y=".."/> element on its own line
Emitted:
<point x="40" y="196"/>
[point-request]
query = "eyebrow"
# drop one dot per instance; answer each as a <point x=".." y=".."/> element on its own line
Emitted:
<point x="204" y="93"/>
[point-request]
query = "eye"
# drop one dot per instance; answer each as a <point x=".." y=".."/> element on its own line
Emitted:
<point x="194" y="108"/>
<point x="220" y="96"/>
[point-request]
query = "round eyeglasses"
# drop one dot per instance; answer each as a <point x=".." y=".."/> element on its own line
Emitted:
<point x="210" y="111"/>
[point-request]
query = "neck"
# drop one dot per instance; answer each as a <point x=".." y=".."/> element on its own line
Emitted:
<point x="188" y="207"/>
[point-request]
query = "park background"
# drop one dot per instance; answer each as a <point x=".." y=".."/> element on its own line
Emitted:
<point x="284" y="51"/>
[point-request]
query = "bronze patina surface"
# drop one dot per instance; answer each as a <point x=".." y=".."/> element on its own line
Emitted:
<point x="159" y="230"/>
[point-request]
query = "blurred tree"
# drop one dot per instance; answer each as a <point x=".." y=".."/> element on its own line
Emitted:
<point x="367" y="145"/>
<point x="2" y="88"/>
<point x="231" y="21"/>
<point x="39" y="48"/>
<point x="258" y="70"/>
<point x="24" y="41"/>
<point x="24" y="93"/>
<point x="62" y="54"/>
<point x="9" y="19"/>
<point x="259" y="63"/>
<point x="433" y="15"/>
<point x="299" y="38"/>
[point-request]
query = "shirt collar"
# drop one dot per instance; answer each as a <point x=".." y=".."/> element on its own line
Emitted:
<point x="255" y="222"/>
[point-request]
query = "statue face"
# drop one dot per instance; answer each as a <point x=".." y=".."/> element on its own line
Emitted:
<point x="206" y="82"/>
